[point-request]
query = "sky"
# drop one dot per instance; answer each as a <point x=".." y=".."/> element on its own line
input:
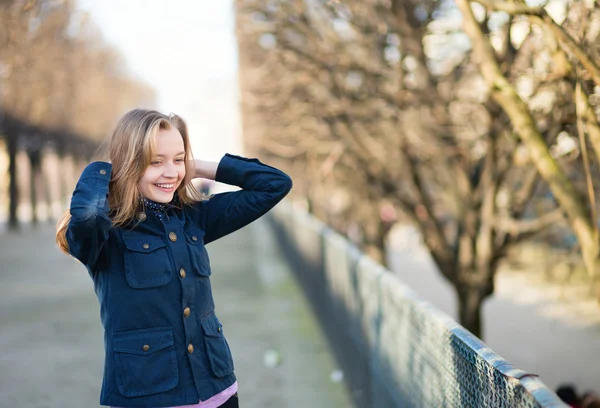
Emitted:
<point x="186" y="50"/>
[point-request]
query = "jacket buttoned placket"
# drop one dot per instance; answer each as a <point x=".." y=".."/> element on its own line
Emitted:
<point x="185" y="274"/>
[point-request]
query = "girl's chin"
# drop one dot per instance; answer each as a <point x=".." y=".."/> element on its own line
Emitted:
<point x="161" y="196"/>
<point x="162" y="200"/>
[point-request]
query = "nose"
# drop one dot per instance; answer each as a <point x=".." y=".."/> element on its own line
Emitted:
<point x="170" y="171"/>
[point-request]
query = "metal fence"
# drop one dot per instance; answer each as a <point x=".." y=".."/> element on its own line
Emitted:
<point x="395" y="349"/>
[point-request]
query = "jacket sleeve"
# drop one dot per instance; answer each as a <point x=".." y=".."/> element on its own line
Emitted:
<point x="89" y="225"/>
<point x="262" y="187"/>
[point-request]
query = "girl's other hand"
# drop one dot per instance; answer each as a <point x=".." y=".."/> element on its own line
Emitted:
<point x="205" y="169"/>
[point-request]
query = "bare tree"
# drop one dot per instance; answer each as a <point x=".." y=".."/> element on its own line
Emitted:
<point x="581" y="216"/>
<point x="59" y="80"/>
<point x="378" y="103"/>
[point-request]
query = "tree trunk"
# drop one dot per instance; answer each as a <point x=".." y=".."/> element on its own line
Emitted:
<point x="46" y="186"/>
<point x="35" y="168"/>
<point x="470" y="301"/>
<point x="474" y="280"/>
<point x="13" y="223"/>
<point x="374" y="241"/>
<point x="591" y="260"/>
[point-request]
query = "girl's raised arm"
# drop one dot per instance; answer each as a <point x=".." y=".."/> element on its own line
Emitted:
<point x="88" y="228"/>
<point x="262" y="188"/>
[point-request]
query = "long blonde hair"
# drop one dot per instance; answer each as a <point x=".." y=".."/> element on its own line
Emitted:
<point x="131" y="149"/>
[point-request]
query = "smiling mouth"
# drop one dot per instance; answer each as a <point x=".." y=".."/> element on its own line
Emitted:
<point x="165" y="186"/>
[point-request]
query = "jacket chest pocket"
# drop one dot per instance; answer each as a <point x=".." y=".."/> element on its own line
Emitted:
<point x="147" y="263"/>
<point x="145" y="361"/>
<point x="219" y="354"/>
<point x="198" y="254"/>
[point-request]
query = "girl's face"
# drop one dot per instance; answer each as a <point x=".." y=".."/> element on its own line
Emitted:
<point x="167" y="168"/>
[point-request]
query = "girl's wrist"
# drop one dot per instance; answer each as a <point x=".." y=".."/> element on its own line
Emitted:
<point x="205" y="169"/>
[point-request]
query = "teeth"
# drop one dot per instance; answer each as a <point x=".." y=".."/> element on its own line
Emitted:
<point x="165" y="185"/>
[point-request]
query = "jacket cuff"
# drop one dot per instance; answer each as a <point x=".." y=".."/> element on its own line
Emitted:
<point x="97" y="170"/>
<point x="231" y="169"/>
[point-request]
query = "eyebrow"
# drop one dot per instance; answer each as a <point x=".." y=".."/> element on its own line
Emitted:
<point x="162" y="155"/>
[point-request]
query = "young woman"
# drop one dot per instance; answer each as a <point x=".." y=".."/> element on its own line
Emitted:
<point x="139" y="227"/>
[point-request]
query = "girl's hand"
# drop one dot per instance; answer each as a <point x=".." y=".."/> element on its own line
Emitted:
<point x="205" y="169"/>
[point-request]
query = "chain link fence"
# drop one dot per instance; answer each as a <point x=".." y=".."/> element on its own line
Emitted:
<point x="395" y="349"/>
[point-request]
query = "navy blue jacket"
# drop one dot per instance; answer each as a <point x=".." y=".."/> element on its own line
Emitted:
<point x="164" y="345"/>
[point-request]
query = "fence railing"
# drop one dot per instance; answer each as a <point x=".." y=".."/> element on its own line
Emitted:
<point x="395" y="349"/>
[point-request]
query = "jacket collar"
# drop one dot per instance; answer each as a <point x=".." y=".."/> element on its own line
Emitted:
<point x="154" y="218"/>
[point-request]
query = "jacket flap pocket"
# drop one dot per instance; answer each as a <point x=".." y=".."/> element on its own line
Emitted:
<point x="144" y="341"/>
<point x="211" y="326"/>
<point x="144" y="244"/>
<point x="194" y="237"/>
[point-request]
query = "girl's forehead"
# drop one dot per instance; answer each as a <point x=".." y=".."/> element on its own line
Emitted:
<point x="167" y="142"/>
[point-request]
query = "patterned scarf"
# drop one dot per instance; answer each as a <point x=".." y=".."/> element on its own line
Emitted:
<point x="159" y="209"/>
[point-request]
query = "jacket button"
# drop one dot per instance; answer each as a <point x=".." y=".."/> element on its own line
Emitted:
<point x="141" y="216"/>
<point x="102" y="171"/>
<point x="146" y="246"/>
<point x="194" y="238"/>
<point x="182" y="273"/>
<point x="172" y="236"/>
<point x="190" y="348"/>
<point x="186" y="312"/>
<point x="146" y="347"/>
<point x="219" y="329"/>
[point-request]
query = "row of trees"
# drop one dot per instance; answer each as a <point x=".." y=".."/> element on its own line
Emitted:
<point x="476" y="121"/>
<point x="59" y="80"/>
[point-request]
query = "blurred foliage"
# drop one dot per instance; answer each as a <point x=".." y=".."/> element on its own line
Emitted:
<point x="387" y="110"/>
<point x="56" y="71"/>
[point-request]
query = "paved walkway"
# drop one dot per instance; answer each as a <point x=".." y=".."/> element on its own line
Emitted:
<point x="51" y="349"/>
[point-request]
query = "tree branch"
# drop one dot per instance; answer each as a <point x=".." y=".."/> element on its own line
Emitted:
<point x="419" y="188"/>
<point x="584" y="154"/>
<point x="281" y="150"/>
<point x="518" y="228"/>
<point x="522" y="120"/>
<point x="571" y="45"/>
<point x="588" y="118"/>
<point x="511" y="8"/>
<point x="541" y="15"/>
